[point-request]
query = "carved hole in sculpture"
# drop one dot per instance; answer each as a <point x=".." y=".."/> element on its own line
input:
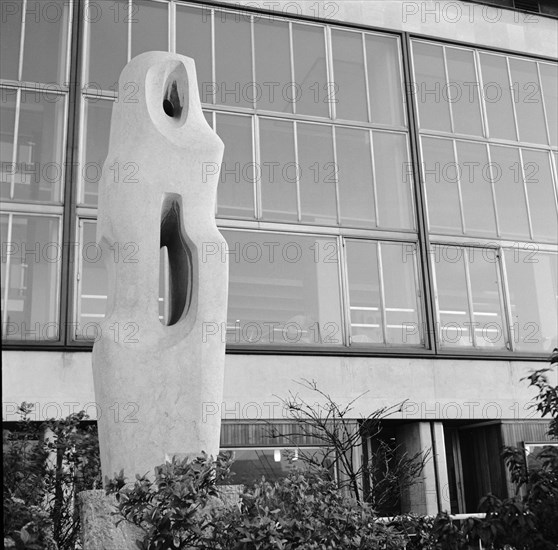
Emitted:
<point x="177" y="284"/>
<point x="171" y="102"/>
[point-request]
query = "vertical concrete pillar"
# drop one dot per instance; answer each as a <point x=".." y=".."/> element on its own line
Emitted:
<point x="427" y="495"/>
<point x="440" y="462"/>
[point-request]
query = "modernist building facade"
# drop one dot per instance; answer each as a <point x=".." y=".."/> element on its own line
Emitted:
<point x="388" y="194"/>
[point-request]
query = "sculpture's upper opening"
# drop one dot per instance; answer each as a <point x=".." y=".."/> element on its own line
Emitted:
<point x="171" y="103"/>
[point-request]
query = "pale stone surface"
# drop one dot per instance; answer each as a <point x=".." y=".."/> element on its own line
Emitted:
<point x="151" y="380"/>
<point x="99" y="524"/>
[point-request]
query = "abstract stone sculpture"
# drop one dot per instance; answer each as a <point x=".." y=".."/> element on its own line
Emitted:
<point x="152" y="380"/>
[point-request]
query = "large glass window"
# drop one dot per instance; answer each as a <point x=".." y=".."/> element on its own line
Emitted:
<point x="488" y="129"/>
<point x="383" y="293"/>
<point x="31" y="260"/>
<point x="283" y="289"/>
<point x="317" y="162"/>
<point x="469" y="297"/>
<point x="533" y="288"/>
<point x="34" y="87"/>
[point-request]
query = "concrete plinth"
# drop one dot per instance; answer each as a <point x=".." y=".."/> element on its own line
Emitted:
<point x="100" y="526"/>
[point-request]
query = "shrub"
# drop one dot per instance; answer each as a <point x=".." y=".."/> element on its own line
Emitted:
<point x="174" y="510"/>
<point x="45" y="466"/>
<point x="299" y="512"/>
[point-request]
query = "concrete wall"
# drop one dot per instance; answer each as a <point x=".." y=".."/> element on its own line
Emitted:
<point x="461" y="21"/>
<point x="436" y="388"/>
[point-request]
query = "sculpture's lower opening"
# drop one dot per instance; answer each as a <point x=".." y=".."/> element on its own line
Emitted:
<point x="179" y="272"/>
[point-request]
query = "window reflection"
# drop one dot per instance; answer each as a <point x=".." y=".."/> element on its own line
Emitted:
<point x="533" y="288"/>
<point x="10" y="38"/>
<point x="469" y="297"/>
<point x="273" y="65"/>
<point x="312" y="92"/>
<point x="108" y="45"/>
<point x="193" y="39"/>
<point x="549" y="81"/>
<point x="383" y="293"/>
<point x="250" y="465"/>
<point x="511" y="206"/>
<point x="149" y="27"/>
<point x="31" y="259"/>
<point x="278" y="170"/>
<point x="528" y="100"/>
<point x="383" y="60"/>
<point x="238" y="170"/>
<point x="233" y="59"/>
<point x="462" y="92"/>
<point x="46" y="41"/>
<point x="39" y="170"/>
<point x="93" y="284"/>
<point x="349" y="74"/>
<point x="498" y="96"/>
<point x="97" y="114"/>
<point x="430" y="82"/>
<point x="318" y="174"/>
<point x="283" y="289"/>
<point x="357" y="202"/>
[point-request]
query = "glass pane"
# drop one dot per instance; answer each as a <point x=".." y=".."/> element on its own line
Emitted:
<point x="489" y="327"/>
<point x="10" y="35"/>
<point x="356" y="184"/>
<point x="311" y="88"/>
<point x="93" y="285"/>
<point x="250" y="465"/>
<point x="4" y="228"/>
<point x="7" y="124"/>
<point x="235" y="197"/>
<point x="532" y="283"/>
<point x="283" y="289"/>
<point x="96" y="130"/>
<point x="528" y="101"/>
<point x="540" y="192"/>
<point x="440" y="175"/>
<point x="149" y="27"/>
<point x="393" y="181"/>
<point x="193" y="39"/>
<point x="349" y="75"/>
<point x="400" y="293"/>
<point x="34" y="256"/>
<point x="509" y="191"/>
<point x="273" y="65"/>
<point x="40" y="151"/>
<point x="384" y="80"/>
<point x="46" y="41"/>
<point x="233" y="59"/>
<point x="279" y="170"/>
<point x="549" y="78"/>
<point x="108" y="43"/>
<point x="317" y="174"/>
<point x="463" y="92"/>
<point x="451" y="296"/>
<point x="364" y="292"/>
<point x="476" y="190"/>
<point x="430" y="87"/>
<point x="497" y="96"/>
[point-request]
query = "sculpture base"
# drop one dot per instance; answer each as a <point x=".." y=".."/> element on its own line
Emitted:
<point x="100" y="526"/>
